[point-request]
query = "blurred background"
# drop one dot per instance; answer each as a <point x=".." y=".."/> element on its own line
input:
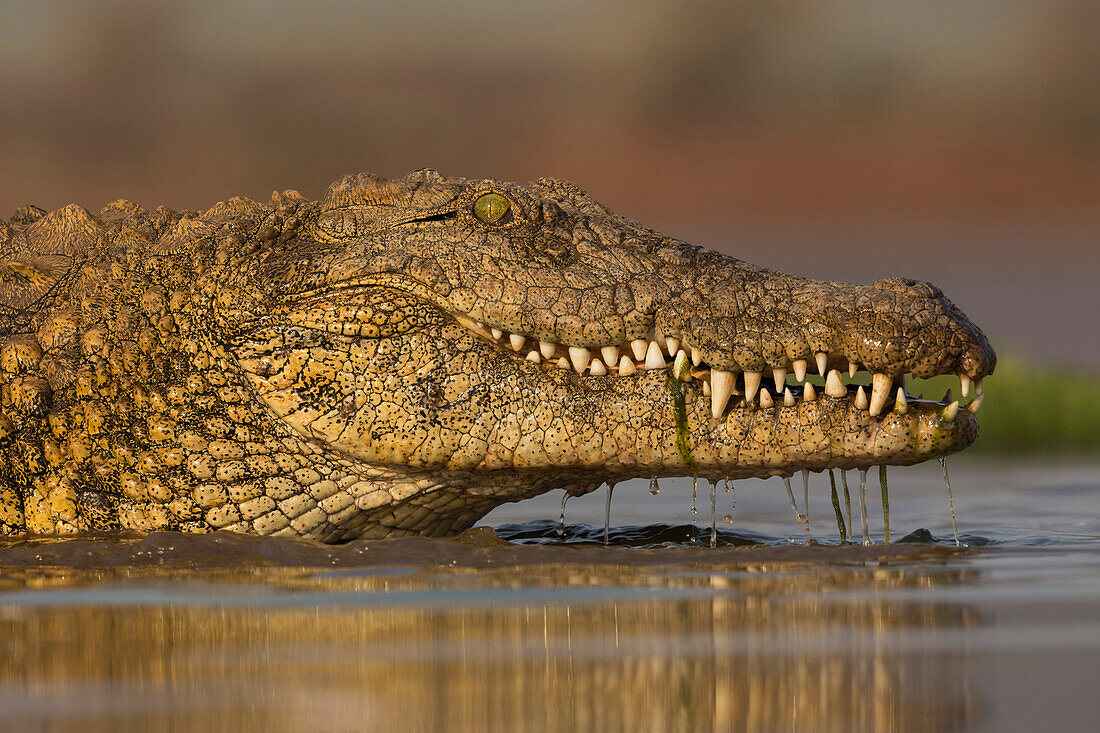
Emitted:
<point x="956" y="141"/>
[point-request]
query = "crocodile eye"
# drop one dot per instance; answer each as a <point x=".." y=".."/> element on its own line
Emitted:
<point x="491" y="208"/>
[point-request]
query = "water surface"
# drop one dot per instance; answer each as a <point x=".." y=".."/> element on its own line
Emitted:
<point x="512" y="624"/>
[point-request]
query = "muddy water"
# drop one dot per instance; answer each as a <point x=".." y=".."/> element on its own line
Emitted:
<point x="654" y="632"/>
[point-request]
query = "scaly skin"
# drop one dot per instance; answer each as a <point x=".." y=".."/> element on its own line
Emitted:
<point x="369" y="365"/>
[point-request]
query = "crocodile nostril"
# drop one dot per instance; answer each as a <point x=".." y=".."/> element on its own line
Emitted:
<point x="906" y="286"/>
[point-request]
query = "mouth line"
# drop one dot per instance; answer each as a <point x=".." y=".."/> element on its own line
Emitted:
<point x="727" y="389"/>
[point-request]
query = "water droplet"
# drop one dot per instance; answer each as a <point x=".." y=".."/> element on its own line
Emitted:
<point x="561" y="519"/>
<point x="654" y="487"/>
<point x="713" y="513"/>
<point x="863" y="506"/>
<point x="733" y="501"/>
<point x="806" y="497"/>
<point x="950" y="499"/>
<point x="607" y="515"/>
<point x="847" y="503"/>
<point x="790" y="495"/>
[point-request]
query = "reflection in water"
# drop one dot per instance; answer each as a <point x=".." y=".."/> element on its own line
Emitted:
<point x="753" y="644"/>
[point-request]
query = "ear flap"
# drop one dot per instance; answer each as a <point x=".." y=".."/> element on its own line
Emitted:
<point x="25" y="278"/>
<point x="358" y="205"/>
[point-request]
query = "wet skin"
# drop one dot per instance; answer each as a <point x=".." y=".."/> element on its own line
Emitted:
<point x="404" y="355"/>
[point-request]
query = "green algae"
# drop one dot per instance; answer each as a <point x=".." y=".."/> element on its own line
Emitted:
<point x="683" y="437"/>
<point x="836" y="508"/>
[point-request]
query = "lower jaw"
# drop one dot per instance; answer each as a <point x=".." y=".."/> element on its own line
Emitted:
<point x="752" y="441"/>
<point x="896" y="441"/>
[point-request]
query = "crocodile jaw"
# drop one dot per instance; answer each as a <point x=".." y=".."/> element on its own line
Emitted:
<point x="459" y="398"/>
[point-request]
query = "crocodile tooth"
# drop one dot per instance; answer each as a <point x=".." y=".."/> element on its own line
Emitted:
<point x="964" y="380"/>
<point x="901" y="405"/>
<point x="626" y="366"/>
<point x="861" y="399"/>
<point x="880" y="390"/>
<point x="822" y="362"/>
<point x="673" y="345"/>
<point x="951" y="411"/>
<point x="852" y="368"/>
<point x="653" y="357"/>
<point x="547" y="348"/>
<point x="597" y="368"/>
<point x="564" y="363"/>
<point x="610" y="354"/>
<point x="788" y="398"/>
<point x="680" y="367"/>
<point x="721" y="386"/>
<point x="516" y="341"/>
<point x="497" y="333"/>
<point x="978" y="387"/>
<point x="579" y="357"/>
<point x="779" y="376"/>
<point x="535" y="357"/>
<point x="638" y="348"/>
<point x="696" y="356"/>
<point x="706" y="388"/>
<point x="799" y="369"/>
<point x="834" y="385"/>
<point x="809" y="394"/>
<point x="766" y="398"/>
<point x="975" y="403"/>
<point x="752" y="383"/>
<point x="947" y="396"/>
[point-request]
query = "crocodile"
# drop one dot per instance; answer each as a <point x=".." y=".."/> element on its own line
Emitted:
<point x="405" y="354"/>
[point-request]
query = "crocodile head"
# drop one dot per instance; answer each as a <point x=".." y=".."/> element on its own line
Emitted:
<point x="460" y="343"/>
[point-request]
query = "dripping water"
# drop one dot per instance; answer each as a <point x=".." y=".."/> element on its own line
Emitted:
<point x="713" y="512"/>
<point x="806" y="497"/>
<point x="694" y="493"/>
<point x="950" y="500"/>
<point x="885" y="503"/>
<point x="847" y="500"/>
<point x="733" y="502"/>
<point x="863" y="506"/>
<point x="790" y="495"/>
<point x="654" y="487"/>
<point x="561" y="519"/>
<point x="607" y="514"/>
<point x="836" y="508"/>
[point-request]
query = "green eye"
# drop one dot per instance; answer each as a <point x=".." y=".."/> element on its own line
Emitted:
<point x="491" y="208"/>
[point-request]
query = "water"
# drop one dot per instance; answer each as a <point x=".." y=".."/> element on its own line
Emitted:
<point x="655" y="631"/>
<point x="713" y="513"/>
<point x="806" y="498"/>
<point x="607" y="514"/>
<point x="950" y="500"/>
<point x="866" y="536"/>
<point x="847" y="502"/>
<point x="799" y="516"/>
<point x="561" y="517"/>
<point x="885" y="504"/>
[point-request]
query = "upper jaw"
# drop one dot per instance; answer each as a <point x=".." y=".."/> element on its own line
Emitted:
<point x="717" y="330"/>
